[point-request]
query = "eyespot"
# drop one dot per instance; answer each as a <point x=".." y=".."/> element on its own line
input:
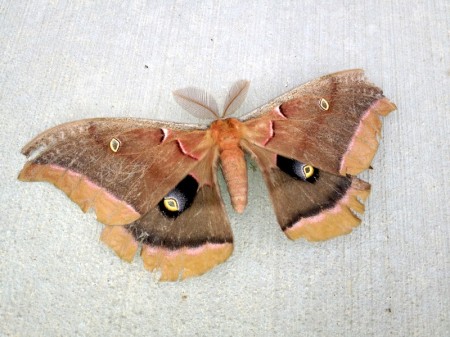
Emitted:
<point x="297" y="169"/>
<point x="114" y="145"/>
<point x="171" y="204"/>
<point x="324" y="105"/>
<point x="180" y="198"/>
<point x="308" y="171"/>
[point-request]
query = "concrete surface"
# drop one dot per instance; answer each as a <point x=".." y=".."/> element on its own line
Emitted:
<point x="68" y="60"/>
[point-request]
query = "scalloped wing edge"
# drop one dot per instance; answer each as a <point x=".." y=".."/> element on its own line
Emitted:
<point x="83" y="192"/>
<point x="172" y="265"/>
<point x="338" y="220"/>
<point x="364" y="143"/>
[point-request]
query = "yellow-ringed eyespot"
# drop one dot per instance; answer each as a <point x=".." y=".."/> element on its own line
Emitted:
<point x="324" y="105"/>
<point x="308" y="171"/>
<point x="114" y="145"/>
<point x="171" y="204"/>
<point x="180" y="198"/>
<point x="297" y="169"/>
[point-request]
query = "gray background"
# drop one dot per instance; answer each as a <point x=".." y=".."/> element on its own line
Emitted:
<point x="64" y="61"/>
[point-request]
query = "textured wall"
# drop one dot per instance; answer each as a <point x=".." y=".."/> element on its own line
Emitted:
<point x="63" y="61"/>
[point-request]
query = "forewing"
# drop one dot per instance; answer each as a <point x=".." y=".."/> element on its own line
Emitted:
<point x="119" y="167"/>
<point x="332" y="123"/>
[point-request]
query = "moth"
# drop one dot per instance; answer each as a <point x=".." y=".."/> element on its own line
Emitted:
<point x="154" y="184"/>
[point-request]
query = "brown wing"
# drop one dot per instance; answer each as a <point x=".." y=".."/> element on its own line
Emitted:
<point x="331" y="123"/>
<point x="119" y="167"/>
<point x="329" y="127"/>
<point x="159" y="178"/>
<point x="183" y="243"/>
<point x="316" y="208"/>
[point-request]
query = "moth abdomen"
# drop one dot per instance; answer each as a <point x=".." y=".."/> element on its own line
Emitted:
<point x="234" y="168"/>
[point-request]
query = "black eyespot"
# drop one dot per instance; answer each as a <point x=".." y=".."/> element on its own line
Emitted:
<point x="180" y="198"/>
<point x="298" y="170"/>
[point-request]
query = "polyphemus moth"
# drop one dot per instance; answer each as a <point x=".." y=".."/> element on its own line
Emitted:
<point x="154" y="184"/>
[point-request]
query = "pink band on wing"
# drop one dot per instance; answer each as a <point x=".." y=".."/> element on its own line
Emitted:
<point x="337" y="220"/>
<point x="109" y="209"/>
<point x="364" y="143"/>
<point x="186" y="261"/>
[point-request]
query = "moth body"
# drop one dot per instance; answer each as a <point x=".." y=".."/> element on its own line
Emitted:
<point x="154" y="184"/>
<point x="227" y="134"/>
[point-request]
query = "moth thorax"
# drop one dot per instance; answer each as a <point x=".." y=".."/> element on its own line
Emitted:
<point x="226" y="133"/>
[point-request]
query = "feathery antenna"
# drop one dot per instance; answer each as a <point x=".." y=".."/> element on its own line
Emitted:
<point x="197" y="102"/>
<point x="202" y="105"/>
<point x="235" y="97"/>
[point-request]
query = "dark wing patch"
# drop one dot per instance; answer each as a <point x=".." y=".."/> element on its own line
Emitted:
<point x="316" y="211"/>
